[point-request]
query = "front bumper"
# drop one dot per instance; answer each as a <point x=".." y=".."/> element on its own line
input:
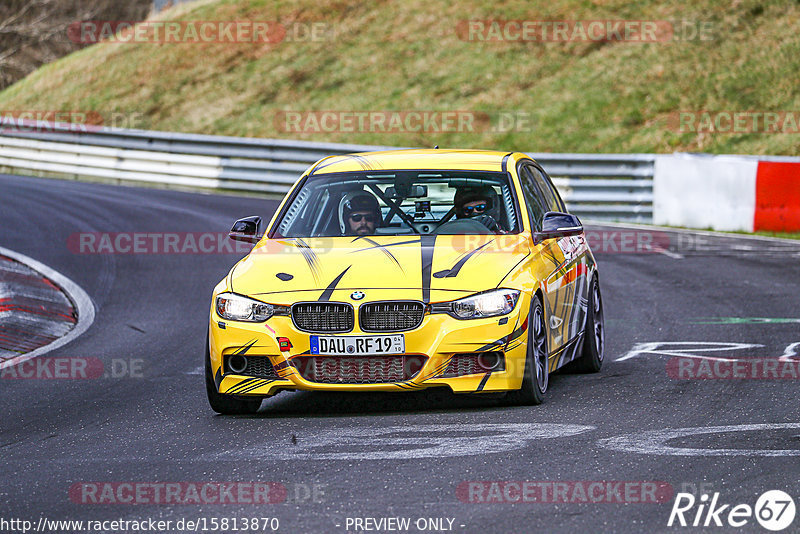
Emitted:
<point x="437" y="339"/>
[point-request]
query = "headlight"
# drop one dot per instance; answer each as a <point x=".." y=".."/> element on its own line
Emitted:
<point x="239" y="308"/>
<point x="489" y="304"/>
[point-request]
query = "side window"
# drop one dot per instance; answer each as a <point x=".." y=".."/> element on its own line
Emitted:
<point x="550" y="195"/>
<point x="533" y="200"/>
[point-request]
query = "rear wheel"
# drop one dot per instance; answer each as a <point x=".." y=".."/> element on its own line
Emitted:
<point x="591" y="359"/>
<point x="536" y="375"/>
<point x="227" y="404"/>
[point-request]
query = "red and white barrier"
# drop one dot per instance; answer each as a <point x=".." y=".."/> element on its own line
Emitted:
<point x="777" y="196"/>
<point x="734" y="193"/>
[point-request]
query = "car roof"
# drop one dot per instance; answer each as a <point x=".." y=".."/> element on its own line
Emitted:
<point x="434" y="159"/>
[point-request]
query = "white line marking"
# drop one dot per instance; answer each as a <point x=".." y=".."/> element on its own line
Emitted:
<point x="790" y="351"/>
<point x="73" y="291"/>
<point x="665" y="252"/>
<point x="594" y="222"/>
<point x="654" y="442"/>
<point x="408" y="442"/>
<point x="653" y="348"/>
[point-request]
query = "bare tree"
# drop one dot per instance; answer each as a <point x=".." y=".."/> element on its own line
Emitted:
<point x="34" y="32"/>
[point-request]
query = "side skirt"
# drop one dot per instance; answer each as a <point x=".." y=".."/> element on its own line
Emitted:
<point x="566" y="353"/>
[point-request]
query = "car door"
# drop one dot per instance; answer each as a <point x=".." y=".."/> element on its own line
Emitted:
<point x="558" y="300"/>
<point x="573" y="270"/>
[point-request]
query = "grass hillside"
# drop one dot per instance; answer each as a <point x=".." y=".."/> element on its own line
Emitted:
<point x="409" y="55"/>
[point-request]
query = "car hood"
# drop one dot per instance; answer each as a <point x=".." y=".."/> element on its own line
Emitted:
<point x="423" y="264"/>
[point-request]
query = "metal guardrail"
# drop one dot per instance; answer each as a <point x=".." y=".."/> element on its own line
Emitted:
<point x="616" y="187"/>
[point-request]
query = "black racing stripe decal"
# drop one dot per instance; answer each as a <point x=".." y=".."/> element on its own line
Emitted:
<point x="280" y="366"/>
<point x="442" y="366"/>
<point x="574" y="308"/>
<point x="241" y="385"/>
<point x="244" y="348"/>
<point x="326" y="295"/>
<point x="492" y="346"/>
<point x="513" y="268"/>
<point x="451" y="273"/>
<point x="505" y="340"/>
<point x="382" y="249"/>
<point x="439" y="370"/>
<point x="254" y="385"/>
<point x="550" y="254"/>
<point x="516" y="334"/>
<point x="310" y="256"/>
<point x="340" y="159"/>
<point x="408" y="385"/>
<point x="262" y="383"/>
<point x="250" y="386"/>
<point x="483" y="381"/>
<point x="427" y="243"/>
<point x="218" y="377"/>
<point x="365" y="164"/>
<point x="319" y="164"/>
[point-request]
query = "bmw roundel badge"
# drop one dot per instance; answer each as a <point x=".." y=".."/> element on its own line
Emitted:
<point x="357" y="295"/>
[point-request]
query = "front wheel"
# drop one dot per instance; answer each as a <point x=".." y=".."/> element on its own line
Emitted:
<point x="591" y="359"/>
<point x="536" y="375"/>
<point x="227" y="404"/>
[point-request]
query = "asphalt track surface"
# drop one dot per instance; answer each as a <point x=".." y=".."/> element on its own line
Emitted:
<point x="156" y="425"/>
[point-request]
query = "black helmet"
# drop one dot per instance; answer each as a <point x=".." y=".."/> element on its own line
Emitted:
<point x="471" y="193"/>
<point x="357" y="201"/>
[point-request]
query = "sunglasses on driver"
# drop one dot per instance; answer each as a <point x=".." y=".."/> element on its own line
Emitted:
<point x="480" y="208"/>
<point x="356" y="217"/>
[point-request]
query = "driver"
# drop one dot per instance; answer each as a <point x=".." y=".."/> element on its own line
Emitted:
<point x="359" y="214"/>
<point x="479" y="204"/>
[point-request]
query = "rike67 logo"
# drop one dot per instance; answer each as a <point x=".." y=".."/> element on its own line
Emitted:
<point x="774" y="510"/>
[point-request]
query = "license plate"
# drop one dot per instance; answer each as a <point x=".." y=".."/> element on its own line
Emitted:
<point x="358" y="345"/>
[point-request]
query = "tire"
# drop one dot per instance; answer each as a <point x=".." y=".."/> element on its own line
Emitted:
<point x="536" y="376"/>
<point x="591" y="359"/>
<point x="227" y="404"/>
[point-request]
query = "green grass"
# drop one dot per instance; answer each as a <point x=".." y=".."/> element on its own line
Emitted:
<point x="783" y="235"/>
<point x="579" y="96"/>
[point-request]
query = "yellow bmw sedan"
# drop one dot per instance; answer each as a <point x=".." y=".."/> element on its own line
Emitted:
<point x="403" y="270"/>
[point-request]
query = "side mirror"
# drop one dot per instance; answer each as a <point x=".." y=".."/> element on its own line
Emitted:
<point x="557" y="224"/>
<point x="246" y="229"/>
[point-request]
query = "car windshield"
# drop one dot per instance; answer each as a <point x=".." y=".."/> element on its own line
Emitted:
<point x="401" y="202"/>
